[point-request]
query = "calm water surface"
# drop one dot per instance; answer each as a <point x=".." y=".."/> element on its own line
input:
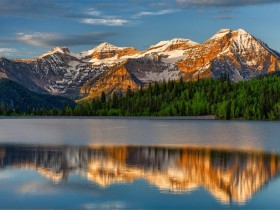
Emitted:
<point x="139" y="164"/>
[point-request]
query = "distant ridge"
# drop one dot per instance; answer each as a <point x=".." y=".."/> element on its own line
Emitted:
<point x="16" y="98"/>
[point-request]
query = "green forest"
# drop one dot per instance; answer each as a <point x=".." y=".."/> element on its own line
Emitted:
<point x="255" y="99"/>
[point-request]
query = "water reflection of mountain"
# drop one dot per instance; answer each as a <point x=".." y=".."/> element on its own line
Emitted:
<point x="230" y="175"/>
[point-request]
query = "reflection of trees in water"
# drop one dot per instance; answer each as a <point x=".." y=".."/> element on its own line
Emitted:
<point x="230" y="175"/>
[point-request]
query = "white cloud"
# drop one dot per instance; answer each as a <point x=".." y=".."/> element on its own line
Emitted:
<point x="105" y="21"/>
<point x="57" y="39"/>
<point x="7" y="51"/>
<point x="37" y="39"/>
<point x="154" y="13"/>
<point x="93" y="12"/>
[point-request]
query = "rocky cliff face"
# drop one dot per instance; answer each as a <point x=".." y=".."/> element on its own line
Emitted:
<point x="230" y="175"/>
<point x="109" y="68"/>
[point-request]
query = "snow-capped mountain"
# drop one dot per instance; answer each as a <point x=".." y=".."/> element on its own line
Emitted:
<point x="110" y="68"/>
<point x="57" y="72"/>
<point x="236" y="53"/>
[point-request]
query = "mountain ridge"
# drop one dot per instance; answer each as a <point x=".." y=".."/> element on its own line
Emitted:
<point x="16" y="97"/>
<point x="61" y="72"/>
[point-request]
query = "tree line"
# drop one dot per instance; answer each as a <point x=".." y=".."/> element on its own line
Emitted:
<point x="255" y="99"/>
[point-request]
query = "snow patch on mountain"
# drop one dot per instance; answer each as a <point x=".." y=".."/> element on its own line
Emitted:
<point x="160" y="76"/>
<point x="62" y="50"/>
<point x="220" y="34"/>
<point x="173" y="56"/>
<point x="105" y="46"/>
<point x="163" y="45"/>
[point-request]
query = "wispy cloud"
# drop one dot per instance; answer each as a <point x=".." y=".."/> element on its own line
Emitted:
<point x="93" y="12"/>
<point x="105" y="21"/>
<point x="101" y="19"/>
<point x="56" y="39"/>
<point x="164" y="4"/>
<point x="7" y="51"/>
<point x="117" y="21"/>
<point x="37" y="39"/>
<point x="223" y="3"/>
<point x="154" y="13"/>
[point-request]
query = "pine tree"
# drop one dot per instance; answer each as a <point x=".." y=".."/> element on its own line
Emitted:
<point x="103" y="97"/>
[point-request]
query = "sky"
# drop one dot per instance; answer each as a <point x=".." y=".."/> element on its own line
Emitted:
<point x="31" y="27"/>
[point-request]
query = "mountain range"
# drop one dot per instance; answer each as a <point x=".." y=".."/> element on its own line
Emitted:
<point x="83" y="76"/>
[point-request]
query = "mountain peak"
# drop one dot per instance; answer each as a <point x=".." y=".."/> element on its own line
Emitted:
<point x="3" y="58"/>
<point x="102" y="48"/>
<point x="105" y="46"/>
<point x="62" y="50"/>
<point x="242" y="31"/>
<point x="224" y="32"/>
<point x="221" y="33"/>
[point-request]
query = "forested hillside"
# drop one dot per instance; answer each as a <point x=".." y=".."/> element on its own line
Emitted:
<point x="258" y="98"/>
<point x="16" y="99"/>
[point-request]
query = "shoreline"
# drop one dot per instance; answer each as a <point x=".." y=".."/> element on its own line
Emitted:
<point x="206" y="117"/>
<point x="202" y="118"/>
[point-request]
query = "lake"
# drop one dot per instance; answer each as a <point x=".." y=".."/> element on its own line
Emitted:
<point x="91" y="163"/>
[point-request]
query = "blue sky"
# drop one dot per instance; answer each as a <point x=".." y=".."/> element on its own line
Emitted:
<point x="31" y="27"/>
